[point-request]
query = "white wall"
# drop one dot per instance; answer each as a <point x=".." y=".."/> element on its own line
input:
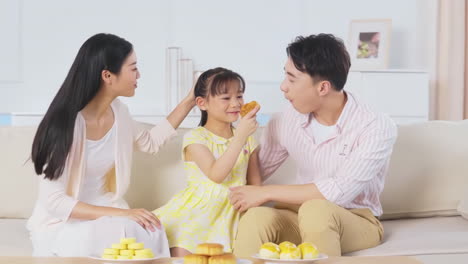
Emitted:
<point x="249" y="37"/>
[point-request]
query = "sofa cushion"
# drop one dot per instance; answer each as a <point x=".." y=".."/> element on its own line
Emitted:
<point x="18" y="180"/>
<point x="442" y="258"/>
<point x="434" y="235"/>
<point x="427" y="174"/>
<point x="463" y="206"/>
<point x="14" y="238"/>
<point x="428" y="170"/>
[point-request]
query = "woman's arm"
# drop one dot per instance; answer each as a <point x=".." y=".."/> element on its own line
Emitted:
<point x="253" y="171"/>
<point x="151" y="140"/>
<point x="143" y="217"/>
<point x="181" y="111"/>
<point x="58" y="204"/>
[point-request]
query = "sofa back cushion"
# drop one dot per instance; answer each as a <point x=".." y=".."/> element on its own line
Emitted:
<point x="463" y="207"/>
<point x="18" y="182"/>
<point x="428" y="172"/>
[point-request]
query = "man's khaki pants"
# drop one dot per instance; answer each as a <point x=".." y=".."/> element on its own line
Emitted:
<point x="333" y="229"/>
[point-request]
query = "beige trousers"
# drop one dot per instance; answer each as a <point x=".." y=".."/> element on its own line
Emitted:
<point x="333" y="229"/>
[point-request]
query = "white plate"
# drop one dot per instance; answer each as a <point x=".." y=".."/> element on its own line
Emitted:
<point x="239" y="261"/>
<point x="302" y="261"/>
<point x="139" y="261"/>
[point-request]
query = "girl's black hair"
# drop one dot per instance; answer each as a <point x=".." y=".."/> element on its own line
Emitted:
<point x="214" y="82"/>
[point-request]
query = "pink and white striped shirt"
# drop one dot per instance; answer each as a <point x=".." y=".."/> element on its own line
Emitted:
<point x="349" y="168"/>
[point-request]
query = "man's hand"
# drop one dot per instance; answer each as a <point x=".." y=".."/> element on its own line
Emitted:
<point x="246" y="197"/>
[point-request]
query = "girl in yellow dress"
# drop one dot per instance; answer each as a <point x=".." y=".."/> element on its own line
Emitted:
<point x="216" y="157"/>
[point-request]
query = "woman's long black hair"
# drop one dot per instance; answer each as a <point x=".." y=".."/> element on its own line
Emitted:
<point x="213" y="82"/>
<point x="54" y="135"/>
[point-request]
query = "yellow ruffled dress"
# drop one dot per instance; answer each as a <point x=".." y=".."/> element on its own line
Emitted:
<point x="202" y="212"/>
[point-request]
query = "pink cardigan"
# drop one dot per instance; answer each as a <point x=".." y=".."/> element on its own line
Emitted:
<point x="57" y="198"/>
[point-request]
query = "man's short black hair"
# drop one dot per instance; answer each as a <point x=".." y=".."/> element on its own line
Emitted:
<point x="323" y="57"/>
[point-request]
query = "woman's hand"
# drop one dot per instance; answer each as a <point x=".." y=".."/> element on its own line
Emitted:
<point x="143" y="217"/>
<point x="190" y="98"/>
<point x="181" y="111"/>
<point x="248" y="124"/>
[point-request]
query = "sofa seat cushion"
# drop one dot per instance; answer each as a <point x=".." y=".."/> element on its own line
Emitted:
<point x="443" y="258"/>
<point x="419" y="236"/>
<point x="14" y="238"/>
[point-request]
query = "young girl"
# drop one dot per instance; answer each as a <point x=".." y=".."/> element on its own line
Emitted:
<point x="216" y="157"/>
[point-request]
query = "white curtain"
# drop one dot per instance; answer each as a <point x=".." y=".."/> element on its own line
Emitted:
<point x="451" y="89"/>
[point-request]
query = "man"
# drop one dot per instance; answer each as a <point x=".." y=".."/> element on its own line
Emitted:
<point x="341" y="149"/>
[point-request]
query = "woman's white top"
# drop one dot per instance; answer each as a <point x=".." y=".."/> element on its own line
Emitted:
<point x="100" y="159"/>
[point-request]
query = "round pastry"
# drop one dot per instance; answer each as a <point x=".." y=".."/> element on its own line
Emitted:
<point x="222" y="259"/>
<point x="147" y="252"/>
<point x="195" y="259"/>
<point x="269" y="250"/>
<point x="308" y="250"/>
<point x="136" y="246"/>
<point x="119" y="246"/>
<point x="111" y="251"/>
<point x="127" y="252"/>
<point x="286" y="244"/>
<point x="210" y="249"/>
<point x="107" y="256"/>
<point x="128" y="240"/>
<point x="289" y="252"/>
<point x="248" y="107"/>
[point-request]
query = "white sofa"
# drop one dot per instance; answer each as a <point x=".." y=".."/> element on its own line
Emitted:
<point x="427" y="180"/>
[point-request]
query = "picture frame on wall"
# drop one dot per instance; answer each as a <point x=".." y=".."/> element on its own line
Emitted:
<point x="369" y="44"/>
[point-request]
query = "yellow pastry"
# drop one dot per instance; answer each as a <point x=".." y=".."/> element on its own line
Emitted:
<point x="142" y="252"/>
<point x="308" y="250"/>
<point x="136" y="246"/>
<point x="111" y="251"/>
<point x="210" y="249"/>
<point x="127" y="252"/>
<point x="106" y="256"/>
<point x="195" y="259"/>
<point x="290" y="252"/>
<point x="269" y="250"/>
<point x="127" y="240"/>
<point x="119" y="246"/>
<point x="222" y="259"/>
<point x="286" y="244"/>
<point x="128" y="248"/>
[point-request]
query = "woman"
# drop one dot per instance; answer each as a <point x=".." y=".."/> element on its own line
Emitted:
<point x="83" y="148"/>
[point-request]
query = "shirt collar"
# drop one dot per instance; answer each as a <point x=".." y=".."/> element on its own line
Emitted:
<point x="345" y="115"/>
<point x="217" y="139"/>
